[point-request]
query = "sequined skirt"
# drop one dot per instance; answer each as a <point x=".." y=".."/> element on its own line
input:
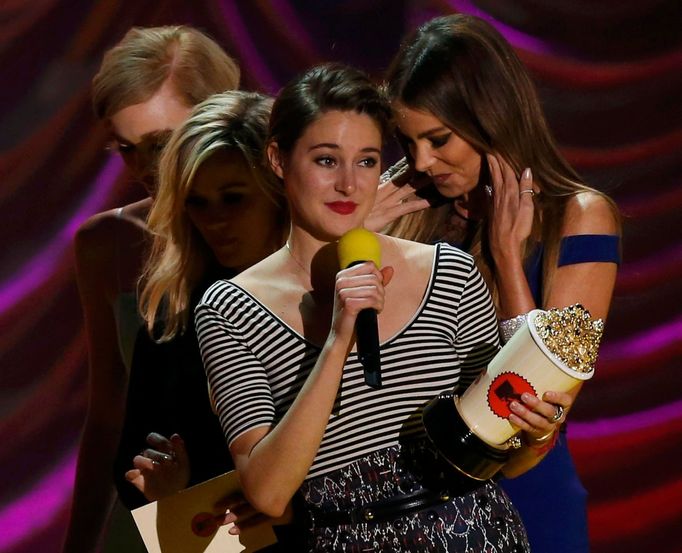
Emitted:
<point x="476" y="518"/>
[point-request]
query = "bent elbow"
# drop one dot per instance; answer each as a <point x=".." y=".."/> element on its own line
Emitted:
<point x="265" y="496"/>
<point x="269" y="504"/>
<point x="274" y="510"/>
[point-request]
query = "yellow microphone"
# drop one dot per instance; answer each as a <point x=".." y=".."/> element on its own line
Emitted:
<point x="357" y="246"/>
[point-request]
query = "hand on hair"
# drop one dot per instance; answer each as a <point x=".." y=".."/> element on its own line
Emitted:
<point x="511" y="208"/>
<point x="397" y="196"/>
<point x="162" y="469"/>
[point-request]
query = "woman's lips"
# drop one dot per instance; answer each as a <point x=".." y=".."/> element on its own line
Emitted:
<point x="440" y="180"/>
<point x="343" y="208"/>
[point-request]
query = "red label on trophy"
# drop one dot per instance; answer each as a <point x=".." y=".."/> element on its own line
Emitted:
<point x="505" y="388"/>
<point x="553" y="350"/>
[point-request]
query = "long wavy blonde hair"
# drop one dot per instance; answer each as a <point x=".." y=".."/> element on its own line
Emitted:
<point x="235" y="121"/>
<point x="460" y="69"/>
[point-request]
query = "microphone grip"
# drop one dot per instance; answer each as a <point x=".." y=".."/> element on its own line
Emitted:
<point x="367" y="338"/>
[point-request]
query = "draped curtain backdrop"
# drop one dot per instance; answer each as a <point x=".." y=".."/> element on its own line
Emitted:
<point x="610" y="78"/>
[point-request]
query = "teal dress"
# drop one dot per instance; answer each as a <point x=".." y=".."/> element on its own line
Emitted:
<point x="550" y="497"/>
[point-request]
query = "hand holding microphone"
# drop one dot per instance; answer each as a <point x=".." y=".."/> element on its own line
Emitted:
<point x="355" y="247"/>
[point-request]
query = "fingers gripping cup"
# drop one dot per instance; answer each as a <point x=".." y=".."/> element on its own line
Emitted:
<point x="553" y="350"/>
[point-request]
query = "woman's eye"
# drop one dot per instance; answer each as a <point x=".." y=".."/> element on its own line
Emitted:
<point x="325" y="161"/>
<point x="124" y="148"/>
<point x="195" y="201"/>
<point x="438" y="141"/>
<point x="230" y="199"/>
<point x="369" y="162"/>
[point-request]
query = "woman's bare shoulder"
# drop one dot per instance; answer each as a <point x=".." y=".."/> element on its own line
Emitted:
<point x="111" y="244"/>
<point x="590" y="212"/>
<point x="263" y="276"/>
<point x="414" y="253"/>
<point x="102" y="229"/>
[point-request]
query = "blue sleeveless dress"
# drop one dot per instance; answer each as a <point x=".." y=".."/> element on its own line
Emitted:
<point x="550" y="497"/>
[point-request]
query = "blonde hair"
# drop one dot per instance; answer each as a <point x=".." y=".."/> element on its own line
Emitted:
<point x="136" y="68"/>
<point x="460" y="69"/>
<point x="235" y="121"/>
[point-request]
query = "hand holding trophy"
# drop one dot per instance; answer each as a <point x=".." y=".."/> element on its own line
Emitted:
<point x="553" y="350"/>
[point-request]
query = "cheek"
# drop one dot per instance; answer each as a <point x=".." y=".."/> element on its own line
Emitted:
<point x="257" y="215"/>
<point x="199" y="221"/>
<point x="475" y="165"/>
<point x="371" y="185"/>
<point x="132" y="162"/>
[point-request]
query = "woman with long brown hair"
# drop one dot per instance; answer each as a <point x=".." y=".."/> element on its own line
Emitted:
<point x="469" y="119"/>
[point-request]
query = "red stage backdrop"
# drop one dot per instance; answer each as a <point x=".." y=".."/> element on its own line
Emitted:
<point x="610" y="77"/>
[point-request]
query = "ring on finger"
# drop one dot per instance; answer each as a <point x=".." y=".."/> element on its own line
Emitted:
<point x="527" y="191"/>
<point x="558" y="415"/>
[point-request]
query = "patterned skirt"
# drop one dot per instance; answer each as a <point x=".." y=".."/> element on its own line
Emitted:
<point x="477" y="517"/>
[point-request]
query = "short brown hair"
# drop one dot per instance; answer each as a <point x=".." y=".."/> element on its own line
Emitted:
<point x="321" y="89"/>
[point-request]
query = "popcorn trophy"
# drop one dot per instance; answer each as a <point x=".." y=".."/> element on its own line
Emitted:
<point x="552" y="350"/>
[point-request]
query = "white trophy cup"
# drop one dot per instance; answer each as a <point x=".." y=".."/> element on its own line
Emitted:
<point x="552" y="351"/>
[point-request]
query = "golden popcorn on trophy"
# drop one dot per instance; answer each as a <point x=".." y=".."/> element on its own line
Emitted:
<point x="552" y="350"/>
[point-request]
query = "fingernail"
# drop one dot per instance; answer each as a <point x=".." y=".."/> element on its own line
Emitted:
<point x="527" y="174"/>
<point x="525" y="396"/>
<point x="515" y="406"/>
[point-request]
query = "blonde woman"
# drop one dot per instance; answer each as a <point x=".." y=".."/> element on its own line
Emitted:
<point x="145" y="87"/>
<point x="217" y="211"/>
<point x="469" y="118"/>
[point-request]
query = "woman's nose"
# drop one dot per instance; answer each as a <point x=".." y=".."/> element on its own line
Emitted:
<point x="345" y="181"/>
<point x="423" y="159"/>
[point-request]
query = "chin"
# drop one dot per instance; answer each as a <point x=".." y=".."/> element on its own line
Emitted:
<point x="225" y="258"/>
<point x="453" y="190"/>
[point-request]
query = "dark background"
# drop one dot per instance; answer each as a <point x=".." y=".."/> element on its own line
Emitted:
<point x="610" y="78"/>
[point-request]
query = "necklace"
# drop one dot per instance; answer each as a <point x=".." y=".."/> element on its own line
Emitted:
<point x="306" y="271"/>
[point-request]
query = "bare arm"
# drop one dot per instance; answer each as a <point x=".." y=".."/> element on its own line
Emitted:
<point x="590" y="284"/>
<point x="94" y="492"/>
<point x="511" y="220"/>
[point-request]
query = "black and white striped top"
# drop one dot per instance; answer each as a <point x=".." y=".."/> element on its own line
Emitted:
<point x="256" y="363"/>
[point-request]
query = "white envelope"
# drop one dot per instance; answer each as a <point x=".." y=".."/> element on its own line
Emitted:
<point x="184" y="522"/>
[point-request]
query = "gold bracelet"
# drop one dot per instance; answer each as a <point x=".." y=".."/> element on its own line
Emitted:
<point x="542" y="439"/>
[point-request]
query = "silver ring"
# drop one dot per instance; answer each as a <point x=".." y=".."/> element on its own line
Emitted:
<point x="155" y="462"/>
<point x="527" y="191"/>
<point x="558" y="415"/>
<point x="488" y="190"/>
